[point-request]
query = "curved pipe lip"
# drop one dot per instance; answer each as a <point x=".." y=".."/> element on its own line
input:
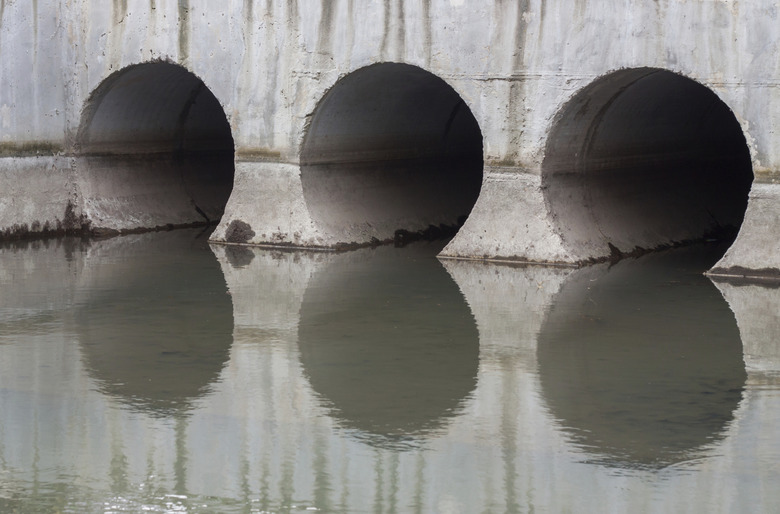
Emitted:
<point x="84" y="144"/>
<point x="596" y="222"/>
<point x="154" y="149"/>
<point x="315" y="105"/>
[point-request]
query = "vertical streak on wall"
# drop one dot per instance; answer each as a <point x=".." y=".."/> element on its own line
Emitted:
<point x="521" y="30"/>
<point x="119" y="11"/>
<point x="350" y="33"/>
<point x="385" y="32"/>
<point x="151" y="28"/>
<point x="427" y="37"/>
<point x="516" y="110"/>
<point x="248" y="16"/>
<point x="400" y="34"/>
<point x="74" y="23"/>
<point x="184" y="32"/>
<point x="35" y="76"/>
<point x="2" y="9"/>
<point x="245" y="79"/>
<point x="299" y="94"/>
<point x="540" y="33"/>
<point x="245" y="82"/>
<point x="35" y="31"/>
<point x="272" y="73"/>
<point x="324" y="41"/>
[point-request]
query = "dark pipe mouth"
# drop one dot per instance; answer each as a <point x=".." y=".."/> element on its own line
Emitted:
<point x="645" y="159"/>
<point x="156" y="150"/>
<point x="391" y="147"/>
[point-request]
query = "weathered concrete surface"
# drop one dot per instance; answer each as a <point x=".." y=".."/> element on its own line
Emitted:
<point x="516" y="66"/>
<point x="488" y="232"/>
<point x="257" y="186"/>
<point x="38" y="195"/>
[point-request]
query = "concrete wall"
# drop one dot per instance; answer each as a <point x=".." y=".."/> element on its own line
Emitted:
<point x="515" y="65"/>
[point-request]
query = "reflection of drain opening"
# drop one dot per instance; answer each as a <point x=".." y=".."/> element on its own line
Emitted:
<point x="157" y="353"/>
<point x="388" y="344"/>
<point x="641" y="362"/>
<point x="643" y="159"/>
<point x="155" y="151"/>
<point x="392" y="152"/>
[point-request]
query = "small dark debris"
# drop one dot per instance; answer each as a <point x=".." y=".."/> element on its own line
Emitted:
<point x="239" y="232"/>
<point x="432" y="233"/>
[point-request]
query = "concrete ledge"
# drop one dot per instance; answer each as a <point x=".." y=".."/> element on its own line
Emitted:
<point x="755" y="255"/>
<point x="267" y="207"/>
<point x="38" y="197"/>
<point x="509" y="222"/>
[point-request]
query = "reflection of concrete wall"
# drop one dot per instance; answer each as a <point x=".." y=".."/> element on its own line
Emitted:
<point x="757" y="312"/>
<point x="267" y="287"/>
<point x="41" y="285"/>
<point x="509" y="304"/>
<point x="757" y="309"/>
<point x="261" y="433"/>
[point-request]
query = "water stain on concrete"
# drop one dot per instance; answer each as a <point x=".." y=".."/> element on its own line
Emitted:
<point x="71" y="224"/>
<point x="184" y="31"/>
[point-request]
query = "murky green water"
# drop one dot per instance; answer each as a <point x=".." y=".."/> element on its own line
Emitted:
<point x="156" y="373"/>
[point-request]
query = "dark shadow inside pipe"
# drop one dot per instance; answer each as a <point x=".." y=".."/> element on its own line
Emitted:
<point x="155" y="149"/>
<point x="642" y="159"/>
<point x="390" y="147"/>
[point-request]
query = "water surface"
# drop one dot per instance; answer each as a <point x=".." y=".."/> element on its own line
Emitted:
<point x="158" y="373"/>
